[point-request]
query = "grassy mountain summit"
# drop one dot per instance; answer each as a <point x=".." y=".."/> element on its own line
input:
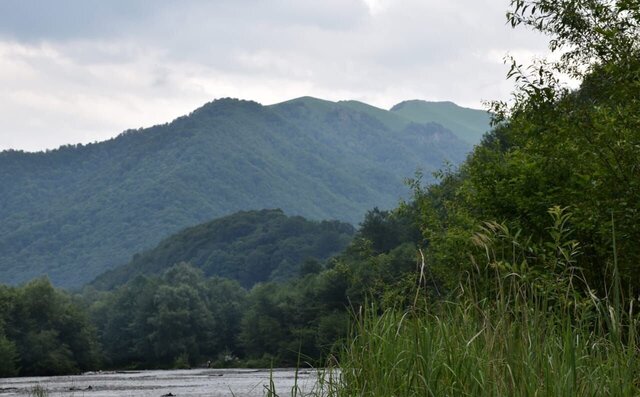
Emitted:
<point x="77" y="211"/>
<point x="248" y="246"/>
<point x="468" y="124"/>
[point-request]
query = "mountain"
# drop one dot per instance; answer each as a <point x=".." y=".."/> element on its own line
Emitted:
<point x="468" y="124"/>
<point x="248" y="246"/>
<point x="77" y="211"/>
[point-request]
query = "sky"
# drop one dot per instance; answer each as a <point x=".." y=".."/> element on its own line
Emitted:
<point x="80" y="71"/>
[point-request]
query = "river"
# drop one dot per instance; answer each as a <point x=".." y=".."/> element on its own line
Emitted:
<point x="194" y="382"/>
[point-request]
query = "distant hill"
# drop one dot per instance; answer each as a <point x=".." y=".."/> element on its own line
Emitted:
<point x="75" y="212"/>
<point x="468" y="124"/>
<point x="249" y="247"/>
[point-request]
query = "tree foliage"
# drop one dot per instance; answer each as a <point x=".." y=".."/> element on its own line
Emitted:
<point x="248" y="246"/>
<point x="552" y="146"/>
<point x="589" y="32"/>
<point x="44" y="332"/>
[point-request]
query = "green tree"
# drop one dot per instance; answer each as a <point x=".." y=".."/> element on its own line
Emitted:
<point x="49" y="331"/>
<point x="8" y="357"/>
<point x="555" y="146"/>
<point x="263" y="328"/>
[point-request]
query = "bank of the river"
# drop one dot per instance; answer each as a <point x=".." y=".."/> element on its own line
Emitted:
<point x="197" y="382"/>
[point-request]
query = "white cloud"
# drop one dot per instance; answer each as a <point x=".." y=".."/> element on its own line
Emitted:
<point x="162" y="62"/>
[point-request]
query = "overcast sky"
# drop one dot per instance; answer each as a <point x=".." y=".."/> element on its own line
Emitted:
<point x="76" y="71"/>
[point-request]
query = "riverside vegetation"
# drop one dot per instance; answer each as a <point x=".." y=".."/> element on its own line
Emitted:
<point x="515" y="274"/>
<point x="176" y="317"/>
<point x="534" y="238"/>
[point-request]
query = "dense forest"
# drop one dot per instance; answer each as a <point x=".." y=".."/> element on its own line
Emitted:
<point x="514" y="274"/>
<point x="94" y="206"/>
<point x="249" y="247"/>
<point x="44" y="331"/>
<point x="177" y="317"/>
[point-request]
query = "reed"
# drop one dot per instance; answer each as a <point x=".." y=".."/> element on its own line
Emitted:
<point x="524" y="325"/>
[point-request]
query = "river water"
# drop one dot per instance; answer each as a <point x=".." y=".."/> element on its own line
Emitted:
<point x="193" y="382"/>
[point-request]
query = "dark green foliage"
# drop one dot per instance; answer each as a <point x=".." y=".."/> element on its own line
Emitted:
<point x="249" y="247"/>
<point x="310" y="266"/>
<point x="302" y="318"/>
<point x="527" y="234"/>
<point x="577" y="150"/>
<point x="183" y="318"/>
<point x="91" y="207"/>
<point x="8" y="351"/>
<point x="8" y="357"/>
<point x="265" y="324"/>
<point x="121" y="319"/>
<point x="589" y="32"/>
<point x="176" y="317"/>
<point x="180" y="317"/>
<point x="44" y="332"/>
<point x="386" y="230"/>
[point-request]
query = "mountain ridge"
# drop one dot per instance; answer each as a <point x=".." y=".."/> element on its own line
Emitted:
<point x="92" y="206"/>
<point x="469" y="124"/>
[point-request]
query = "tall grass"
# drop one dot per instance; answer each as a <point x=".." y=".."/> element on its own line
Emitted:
<point x="525" y="323"/>
<point x="327" y="383"/>
<point x="38" y="391"/>
<point x="519" y="327"/>
<point x="477" y="350"/>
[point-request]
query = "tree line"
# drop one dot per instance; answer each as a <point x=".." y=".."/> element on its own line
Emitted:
<point x="180" y="318"/>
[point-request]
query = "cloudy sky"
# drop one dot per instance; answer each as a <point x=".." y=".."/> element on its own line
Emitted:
<point x="85" y="70"/>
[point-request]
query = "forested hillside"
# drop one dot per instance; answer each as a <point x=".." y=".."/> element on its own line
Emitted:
<point x="92" y="207"/>
<point x="168" y="314"/>
<point x="248" y="247"/>
<point x="178" y="317"/>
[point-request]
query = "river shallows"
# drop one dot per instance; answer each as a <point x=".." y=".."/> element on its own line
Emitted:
<point x="195" y="382"/>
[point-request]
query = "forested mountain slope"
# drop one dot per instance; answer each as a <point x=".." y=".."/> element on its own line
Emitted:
<point x="248" y="246"/>
<point x="74" y="212"/>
